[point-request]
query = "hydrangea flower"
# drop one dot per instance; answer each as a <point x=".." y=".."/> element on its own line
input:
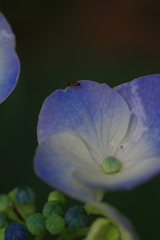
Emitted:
<point x="9" y="63"/>
<point x="113" y="223"/>
<point x="85" y="131"/>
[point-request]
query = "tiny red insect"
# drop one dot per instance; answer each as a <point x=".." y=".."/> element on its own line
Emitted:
<point x="73" y="83"/>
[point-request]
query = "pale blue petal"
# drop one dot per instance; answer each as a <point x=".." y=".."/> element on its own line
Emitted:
<point x="57" y="157"/>
<point x="9" y="70"/>
<point x="125" y="227"/>
<point x="6" y="35"/>
<point x="140" y="151"/>
<point x="92" y="111"/>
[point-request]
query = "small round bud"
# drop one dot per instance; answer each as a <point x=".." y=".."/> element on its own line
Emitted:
<point x="36" y="223"/>
<point x="24" y="195"/>
<point x="112" y="233"/>
<point x="51" y="208"/>
<point x="76" y="217"/>
<point x="4" y="202"/>
<point x="55" y="195"/>
<point x="15" y="231"/>
<point x="2" y="220"/>
<point x="55" y="224"/>
<point x="110" y="165"/>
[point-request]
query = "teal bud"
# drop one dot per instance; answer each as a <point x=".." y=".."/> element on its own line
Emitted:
<point x="36" y="223"/>
<point x="55" y="195"/>
<point x="51" y="208"/>
<point x="112" y="233"/>
<point x="15" y="231"/>
<point x="76" y="217"/>
<point x="2" y="220"/>
<point x="24" y="195"/>
<point x="55" y="224"/>
<point x="110" y="164"/>
<point x="4" y="202"/>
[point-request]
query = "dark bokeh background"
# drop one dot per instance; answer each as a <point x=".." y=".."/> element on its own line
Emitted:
<point x="60" y="41"/>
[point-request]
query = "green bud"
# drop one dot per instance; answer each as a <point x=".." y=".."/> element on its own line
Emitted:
<point x="51" y="208"/>
<point x="55" y="224"/>
<point x="55" y="195"/>
<point x="36" y="223"/>
<point x="76" y="217"/>
<point x="4" y="202"/>
<point x="24" y="195"/>
<point x="112" y="233"/>
<point x="110" y="164"/>
<point x="2" y="220"/>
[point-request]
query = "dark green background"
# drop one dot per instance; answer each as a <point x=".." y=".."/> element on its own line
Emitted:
<point x="61" y="41"/>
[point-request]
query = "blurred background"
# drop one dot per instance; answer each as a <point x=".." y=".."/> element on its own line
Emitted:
<point x="60" y="41"/>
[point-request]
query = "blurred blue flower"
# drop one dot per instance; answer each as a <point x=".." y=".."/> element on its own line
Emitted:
<point x="9" y="63"/>
<point x="82" y="129"/>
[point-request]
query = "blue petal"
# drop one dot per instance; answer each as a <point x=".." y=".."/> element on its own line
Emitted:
<point x="93" y="111"/>
<point x="140" y="147"/>
<point x="6" y="35"/>
<point x="9" y="70"/>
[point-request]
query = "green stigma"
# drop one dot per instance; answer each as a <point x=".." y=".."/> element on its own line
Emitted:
<point x="110" y="164"/>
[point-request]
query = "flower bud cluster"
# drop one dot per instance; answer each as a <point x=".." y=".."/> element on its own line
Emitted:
<point x="18" y="206"/>
<point x="15" y="207"/>
<point x="54" y="220"/>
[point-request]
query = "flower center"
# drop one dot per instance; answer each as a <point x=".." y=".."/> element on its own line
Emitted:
<point x="110" y="164"/>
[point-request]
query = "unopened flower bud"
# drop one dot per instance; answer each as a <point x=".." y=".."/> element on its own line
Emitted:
<point x="51" y="208"/>
<point x="55" y="224"/>
<point x="76" y="217"/>
<point x="15" y="231"/>
<point x="24" y="195"/>
<point x="55" y="195"/>
<point x="36" y="223"/>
